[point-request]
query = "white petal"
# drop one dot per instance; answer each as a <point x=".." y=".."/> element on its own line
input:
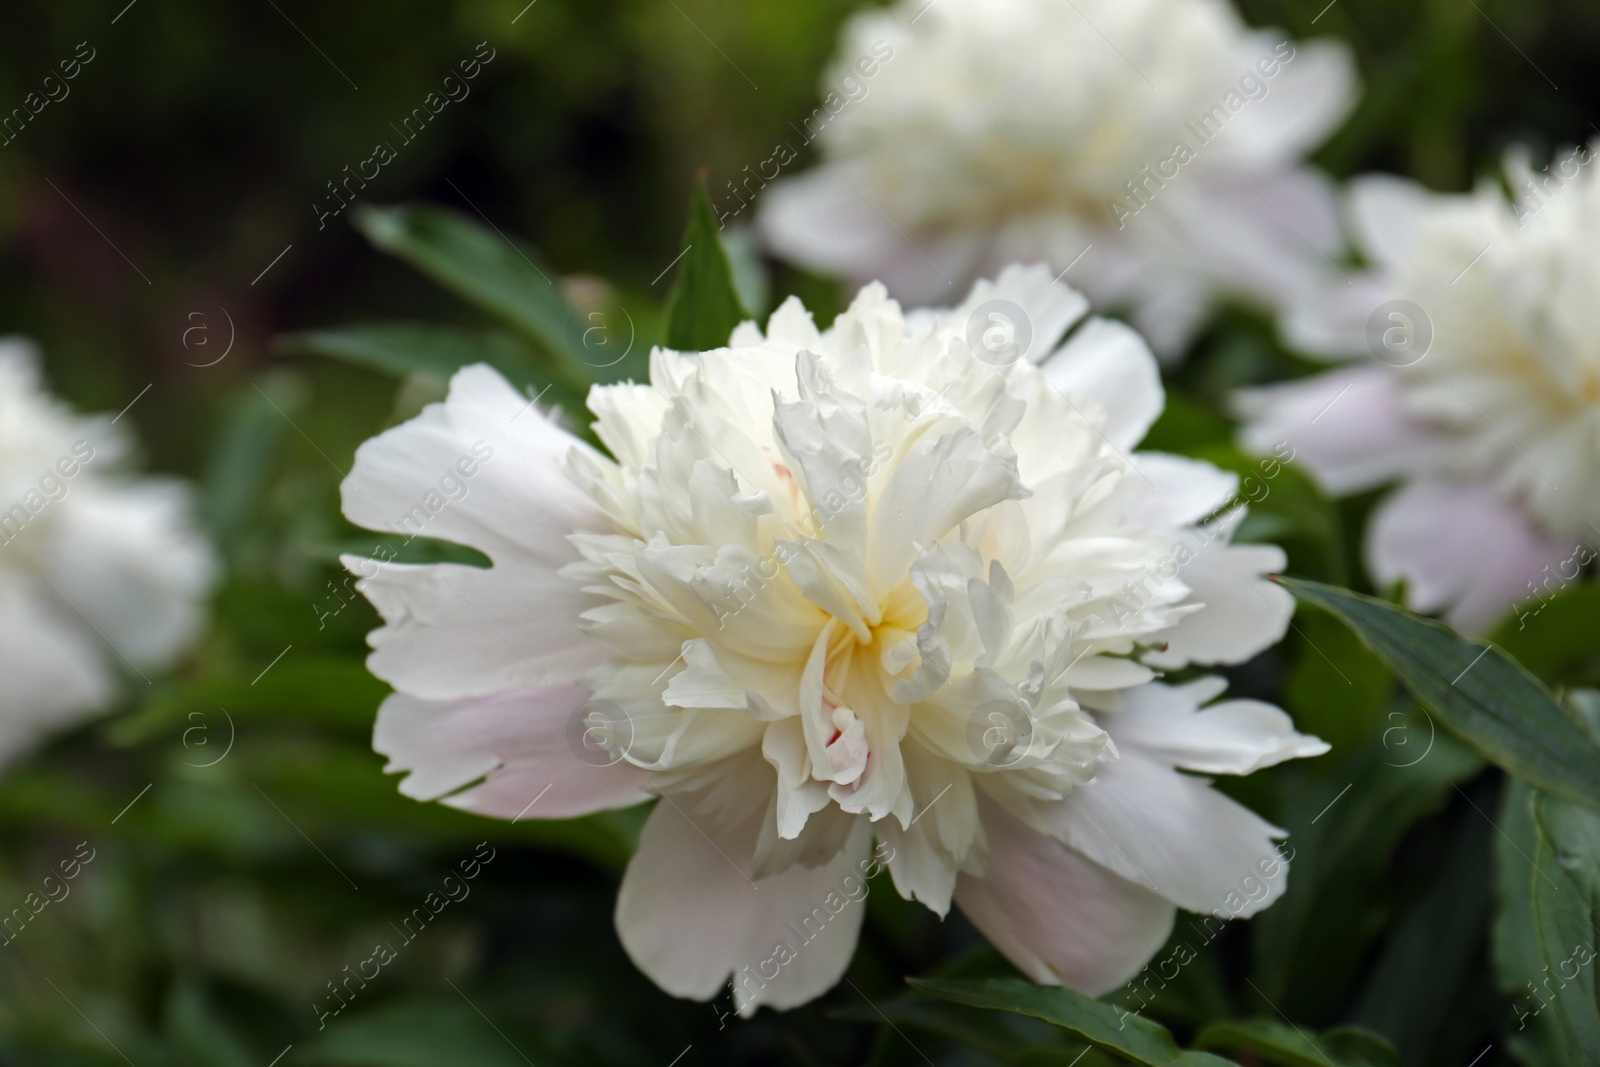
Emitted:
<point x="1232" y="737"/>
<point x="1180" y="490"/>
<point x="943" y="835"/>
<point x="1305" y="100"/>
<point x="525" y="745"/>
<point x="1050" y="306"/>
<point x="1269" y="238"/>
<point x="1243" y="611"/>
<point x="1384" y="212"/>
<point x="458" y="631"/>
<point x="817" y="219"/>
<point x="1459" y="547"/>
<point x="131" y="558"/>
<point x="1348" y="427"/>
<point x="1329" y="320"/>
<point x="1107" y="361"/>
<point x="53" y="672"/>
<point x="1061" y="918"/>
<point x="1174" y="835"/>
<point x="690" y="918"/>
<point x="483" y="468"/>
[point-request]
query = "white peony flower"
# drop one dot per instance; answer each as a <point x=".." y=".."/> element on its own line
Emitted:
<point x="1159" y="140"/>
<point x="101" y="574"/>
<point x="1484" y="397"/>
<point x="836" y="586"/>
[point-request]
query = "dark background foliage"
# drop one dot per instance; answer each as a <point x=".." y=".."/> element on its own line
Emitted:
<point x="166" y="209"/>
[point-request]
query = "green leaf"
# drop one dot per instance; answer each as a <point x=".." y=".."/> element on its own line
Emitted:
<point x="502" y="277"/>
<point x="338" y="695"/>
<point x="400" y="349"/>
<point x="1514" y="932"/>
<point x="1480" y="693"/>
<point x="1566" y="908"/>
<point x="1344" y="824"/>
<point x="1001" y="1035"/>
<point x="1338" y="689"/>
<point x="1438" y="933"/>
<point x="704" y="306"/>
<point x="1277" y="1042"/>
<point x="1102" y="1025"/>
<point x="250" y="444"/>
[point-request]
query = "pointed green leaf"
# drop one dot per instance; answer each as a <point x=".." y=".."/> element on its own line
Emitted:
<point x="704" y="306"/>
<point x="1478" y="691"/>
<point x="1291" y="1046"/>
<point x="499" y="275"/>
<point x="1566" y="909"/>
<point x="1515" y="930"/>
<point x="436" y="352"/>
<point x="414" y="348"/>
<point x="1102" y="1025"/>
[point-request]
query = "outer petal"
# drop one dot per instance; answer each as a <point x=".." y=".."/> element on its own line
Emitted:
<point x="690" y="918"/>
<point x="1329" y="321"/>
<point x="1460" y="547"/>
<point x="1062" y="919"/>
<point x="521" y="743"/>
<point x="1050" y="306"/>
<point x="1305" y="100"/>
<point x="1180" y="490"/>
<point x="483" y="468"/>
<point x="1232" y="737"/>
<point x="1243" y="611"/>
<point x="52" y="673"/>
<point x="1384" y="212"/>
<point x="1348" y="427"/>
<point x="1172" y="834"/>
<point x="130" y="558"/>
<point x="1270" y="237"/>
<point x="819" y="220"/>
<point x="1106" y="360"/>
<point x="458" y="631"/>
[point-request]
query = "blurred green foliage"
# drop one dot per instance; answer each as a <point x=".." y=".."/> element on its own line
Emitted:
<point x="247" y="848"/>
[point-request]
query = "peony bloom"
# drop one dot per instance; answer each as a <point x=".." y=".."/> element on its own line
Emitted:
<point x="1160" y="140"/>
<point x="1483" y="400"/>
<point x="893" y="594"/>
<point x="101" y="574"/>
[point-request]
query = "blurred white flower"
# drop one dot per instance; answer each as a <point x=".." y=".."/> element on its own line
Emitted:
<point x="101" y="574"/>
<point x="901" y="579"/>
<point x="1479" y="391"/>
<point x="1159" y="140"/>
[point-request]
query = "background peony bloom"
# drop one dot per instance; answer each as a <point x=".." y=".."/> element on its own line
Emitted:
<point x="1484" y="400"/>
<point x="1159" y="140"/>
<point x="837" y="587"/>
<point x="100" y="573"/>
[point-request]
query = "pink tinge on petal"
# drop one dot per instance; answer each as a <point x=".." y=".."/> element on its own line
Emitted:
<point x="1460" y="548"/>
<point x="1349" y="428"/>
<point x="691" y="917"/>
<point x="1269" y="238"/>
<point x="529" y="747"/>
<point x="1329" y="320"/>
<point x="1060" y="917"/>
<point x="1173" y="834"/>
